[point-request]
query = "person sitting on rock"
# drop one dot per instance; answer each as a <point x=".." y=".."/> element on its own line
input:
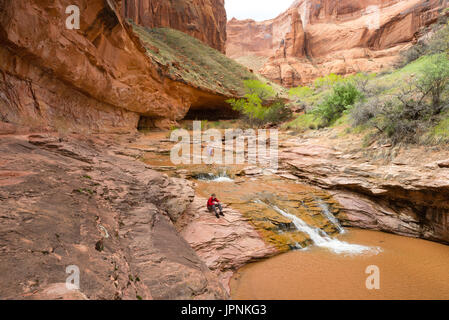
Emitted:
<point x="214" y="205"/>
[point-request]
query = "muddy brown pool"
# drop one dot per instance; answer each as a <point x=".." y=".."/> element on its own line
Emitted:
<point x="409" y="269"/>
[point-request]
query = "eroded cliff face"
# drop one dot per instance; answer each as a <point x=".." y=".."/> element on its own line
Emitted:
<point x="97" y="78"/>
<point x="67" y="201"/>
<point x="202" y="19"/>
<point x="317" y="37"/>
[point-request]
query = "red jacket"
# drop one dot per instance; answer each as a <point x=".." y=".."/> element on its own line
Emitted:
<point x="212" y="201"/>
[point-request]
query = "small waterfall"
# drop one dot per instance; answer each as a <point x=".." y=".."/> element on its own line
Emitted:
<point x="220" y="177"/>
<point x="322" y="239"/>
<point x="325" y="209"/>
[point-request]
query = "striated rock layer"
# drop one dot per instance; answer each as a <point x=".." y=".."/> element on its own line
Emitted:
<point x="318" y="37"/>
<point x="88" y="202"/>
<point x="407" y="196"/>
<point x="98" y="77"/>
<point x="202" y="19"/>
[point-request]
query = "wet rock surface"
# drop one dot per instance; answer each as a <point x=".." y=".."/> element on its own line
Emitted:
<point x="243" y="187"/>
<point x="138" y="233"/>
<point x="396" y="190"/>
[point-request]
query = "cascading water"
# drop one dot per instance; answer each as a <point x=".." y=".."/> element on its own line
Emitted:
<point x="322" y="239"/>
<point x="325" y="209"/>
<point x="210" y="177"/>
<point x="222" y="179"/>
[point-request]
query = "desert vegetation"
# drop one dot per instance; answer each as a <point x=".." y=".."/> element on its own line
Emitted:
<point x="188" y="59"/>
<point x="409" y="104"/>
<point x="261" y="105"/>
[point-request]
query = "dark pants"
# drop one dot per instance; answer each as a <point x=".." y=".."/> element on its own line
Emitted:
<point x="217" y="208"/>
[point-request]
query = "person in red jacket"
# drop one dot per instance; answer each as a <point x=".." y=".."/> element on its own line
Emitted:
<point x="214" y="205"/>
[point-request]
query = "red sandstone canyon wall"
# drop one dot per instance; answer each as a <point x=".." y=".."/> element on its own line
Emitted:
<point x="97" y="77"/>
<point x="317" y="37"/>
<point x="202" y="19"/>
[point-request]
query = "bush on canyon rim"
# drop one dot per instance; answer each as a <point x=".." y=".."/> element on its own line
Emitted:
<point x="407" y="114"/>
<point x="260" y="104"/>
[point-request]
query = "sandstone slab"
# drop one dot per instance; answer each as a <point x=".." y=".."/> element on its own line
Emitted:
<point x="224" y="244"/>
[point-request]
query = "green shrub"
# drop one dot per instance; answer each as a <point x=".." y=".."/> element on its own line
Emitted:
<point x="278" y="112"/>
<point x="328" y="81"/>
<point x="364" y="111"/>
<point x="400" y="117"/>
<point x="260" y="104"/>
<point x="258" y="88"/>
<point x="342" y="97"/>
<point x="433" y="82"/>
<point x="414" y="53"/>
<point x="300" y="92"/>
<point x="406" y="115"/>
